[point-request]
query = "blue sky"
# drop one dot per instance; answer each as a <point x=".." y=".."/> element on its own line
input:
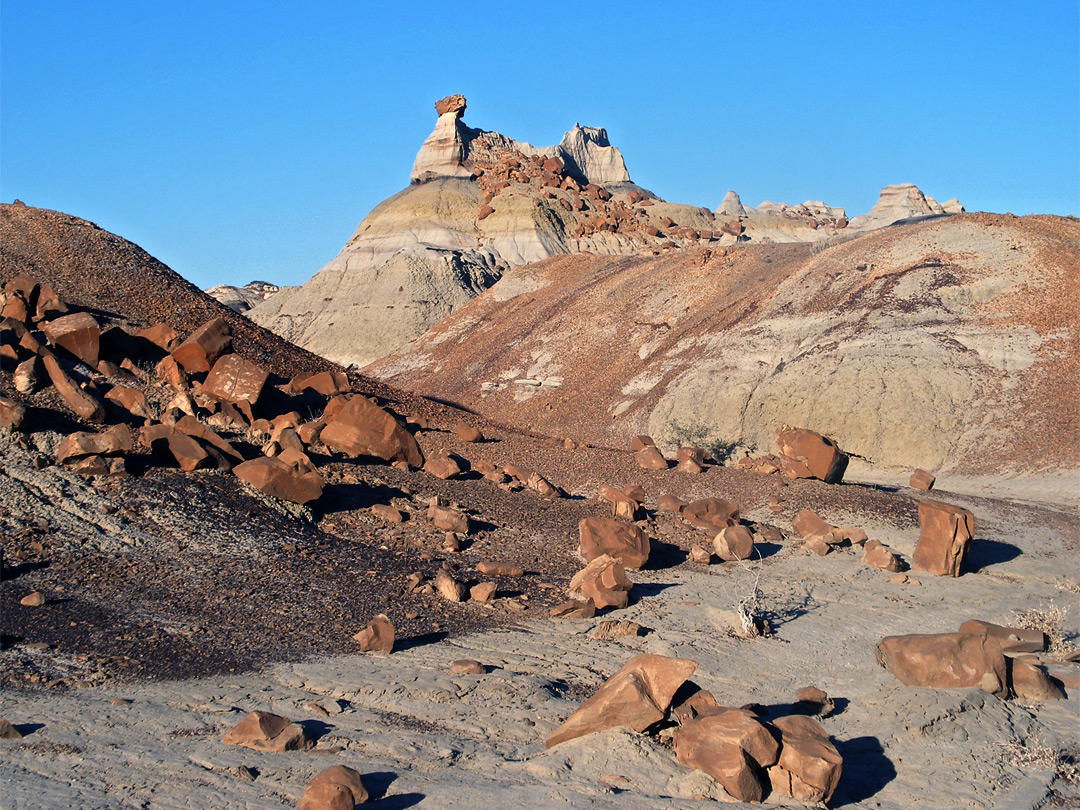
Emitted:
<point x="237" y="141"/>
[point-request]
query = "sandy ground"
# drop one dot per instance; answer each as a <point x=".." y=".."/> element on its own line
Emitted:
<point x="422" y="737"/>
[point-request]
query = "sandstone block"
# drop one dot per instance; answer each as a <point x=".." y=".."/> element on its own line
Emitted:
<point x="268" y="732"/>
<point x="639" y="443"/>
<point x="878" y="555"/>
<point x="1011" y="639"/>
<point x="945" y="661"/>
<point x="447" y="519"/>
<point x="280" y="479"/>
<point x="449" y="588"/>
<point x="710" y="513"/>
<point x="204" y="346"/>
<point x="636" y="697"/>
<point x="603" y="581"/>
<point x="499" y="569"/>
<point x="28" y="375"/>
<point x="483" y="592"/>
<point x="336" y="788"/>
<point x="945" y="532"/>
<point x="574" y="609"/>
<point x="467" y="666"/>
<point x="809" y="767"/>
<point x="359" y="427"/>
<point x="806" y="454"/>
<point x="378" y="636"/>
<point x="443" y="467"/>
<point x="650" y="458"/>
<point x="233" y="378"/>
<point x="161" y="335"/>
<point x="734" y="543"/>
<point x="117" y="439"/>
<point x="467" y="433"/>
<point x="327" y="383"/>
<point x="78" y="334"/>
<point x="729" y="746"/>
<point x="131" y="400"/>
<point x="12" y="413"/>
<point x="615" y="538"/>
<point x="83" y="403"/>
<point x="921" y="479"/>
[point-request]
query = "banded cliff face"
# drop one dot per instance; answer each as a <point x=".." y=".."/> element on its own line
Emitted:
<point x="950" y="344"/>
<point x="481" y="203"/>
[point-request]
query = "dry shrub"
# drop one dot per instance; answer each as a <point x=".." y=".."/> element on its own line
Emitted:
<point x="1050" y="619"/>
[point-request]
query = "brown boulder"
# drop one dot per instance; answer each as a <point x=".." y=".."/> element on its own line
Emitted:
<point x="669" y="503"/>
<point x="809" y="767"/>
<point x="280" y="479"/>
<point x="378" y="636"/>
<point x="467" y="433"/>
<point x="615" y="538"/>
<point x="639" y="443"/>
<point x="74" y="446"/>
<point x="636" y="697"/>
<point x="710" y="513"/>
<point x="12" y="413"/>
<point x="730" y="746"/>
<point x="611" y="629"/>
<point x="1031" y="681"/>
<point x="921" y="479"/>
<point x="809" y="523"/>
<point x="184" y="450"/>
<point x="467" y="666"/>
<point x="734" y="543"/>
<point x="482" y="592"/>
<point x="81" y="402"/>
<point x="1011" y="639"/>
<point x="268" y="732"/>
<point x="451" y="104"/>
<point x="449" y="588"/>
<point x="604" y="582"/>
<point x="192" y="427"/>
<point x="650" y="458"/>
<point x="817" y="700"/>
<point x="78" y="333"/>
<point x="574" y="609"/>
<point x="161" y="335"/>
<point x="170" y="373"/>
<point x="359" y="427"/>
<point x="28" y="375"/>
<point x="327" y="383"/>
<point x="447" y="519"/>
<point x="443" y="467"/>
<point x="336" y="788"/>
<point x="499" y="569"/>
<point x="878" y="555"/>
<point x="8" y="731"/>
<point x="945" y="661"/>
<point x="945" y="531"/>
<point x="233" y="378"/>
<point x="806" y="454"/>
<point x="131" y="400"/>
<point x="622" y="505"/>
<point x="387" y="513"/>
<point x="204" y="346"/>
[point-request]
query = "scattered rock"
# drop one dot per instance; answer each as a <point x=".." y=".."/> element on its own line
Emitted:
<point x="296" y="482"/>
<point x="81" y="402"/>
<point x="466" y="666"/>
<point x="327" y="383"/>
<point x="131" y="400"/>
<point x="816" y="700"/>
<point x="669" y="503"/>
<point x="639" y="443"/>
<point x="1030" y="681"/>
<point x="944" y="536"/>
<point x="945" y="661"/>
<point x="878" y="555"/>
<point x="734" y="543"/>
<point x="611" y="629"/>
<point x="698" y="554"/>
<point x="12" y="413"/>
<point x="921" y="479"/>
<point x="467" y="433"/>
<point x="74" y="446"/>
<point x="730" y="746"/>
<point x="806" y="454"/>
<point x="78" y="334"/>
<point x="483" y="592"/>
<point x="8" y="731"/>
<point x="449" y="588"/>
<point x="336" y="788"/>
<point x="359" y="427"/>
<point x="387" y="513"/>
<point x="499" y="569"/>
<point x="268" y="732"/>
<point x="443" y="467"/>
<point x="636" y="697"/>
<point x="35" y="599"/>
<point x="615" y="538"/>
<point x="449" y="520"/>
<point x="604" y="582"/>
<point x="233" y="379"/>
<point x="650" y="458"/>
<point x="378" y="636"/>
<point x="809" y="766"/>
<point x="574" y="609"/>
<point x="710" y="513"/>
<point x="204" y="346"/>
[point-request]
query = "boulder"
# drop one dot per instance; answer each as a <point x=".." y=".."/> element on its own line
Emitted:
<point x="113" y="441"/>
<point x="878" y="555"/>
<point x="809" y="523"/>
<point x="388" y="513"/>
<point x="669" y="503"/>
<point x="467" y="433"/>
<point x="279" y="478"/>
<point x="12" y="413"/>
<point x="730" y="746"/>
<point x="449" y="588"/>
<point x="921" y="479"/>
<point x="649" y="458"/>
<point x="327" y="383"/>
<point x="28" y="375"/>
<point x="78" y="334"/>
<point x="612" y="629"/>
<point x="710" y="513"/>
<point x="233" y="378"/>
<point x="809" y="767"/>
<point x="335" y="788"/>
<point x="268" y="732"/>
<point x="1030" y="681"/>
<point x="639" y="443"/>
<point x="443" y="467"/>
<point x="734" y="543"/>
<point x="635" y="697"/>
<point x="161" y="335"/>
<point x="603" y="581"/>
<point x="378" y="636"/>
<point x="451" y="104"/>
<point x="359" y="427"/>
<point x="467" y="666"/>
<point x="83" y="403"/>
<point x="700" y="554"/>
<point x="482" y="592"/>
<point x="131" y="400"/>
<point x="817" y="701"/>
<point x="447" y="519"/>
<point x="622" y="505"/>
<point x="169" y="372"/>
<point x="191" y="426"/>
<point x="806" y="454"/>
<point x="945" y="532"/>
<point x="204" y="346"/>
<point x="8" y="731"/>
<point x="945" y="661"/>
<point x="166" y="441"/>
<point x="499" y="569"/>
<point x="1011" y="639"/>
<point x="574" y="609"/>
<point x="616" y="538"/>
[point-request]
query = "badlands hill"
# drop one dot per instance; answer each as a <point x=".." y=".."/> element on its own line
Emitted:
<point x="481" y="203"/>
<point x="950" y="344"/>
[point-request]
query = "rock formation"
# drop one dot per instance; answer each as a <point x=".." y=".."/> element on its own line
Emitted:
<point x="899" y="202"/>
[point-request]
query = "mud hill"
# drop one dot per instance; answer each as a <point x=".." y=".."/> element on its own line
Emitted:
<point x="154" y="592"/>
<point x="950" y="344"/>
<point x="481" y="203"/>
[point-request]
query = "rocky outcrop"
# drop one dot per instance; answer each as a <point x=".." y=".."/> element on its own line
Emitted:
<point x="899" y="202"/>
<point x="241" y="299"/>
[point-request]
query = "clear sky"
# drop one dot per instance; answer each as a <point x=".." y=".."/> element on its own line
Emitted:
<point x="239" y="141"/>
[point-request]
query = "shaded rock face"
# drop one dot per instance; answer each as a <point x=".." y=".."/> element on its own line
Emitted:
<point x="945" y="534"/>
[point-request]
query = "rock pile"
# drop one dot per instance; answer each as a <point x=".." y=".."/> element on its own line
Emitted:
<point x="802" y="454"/>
